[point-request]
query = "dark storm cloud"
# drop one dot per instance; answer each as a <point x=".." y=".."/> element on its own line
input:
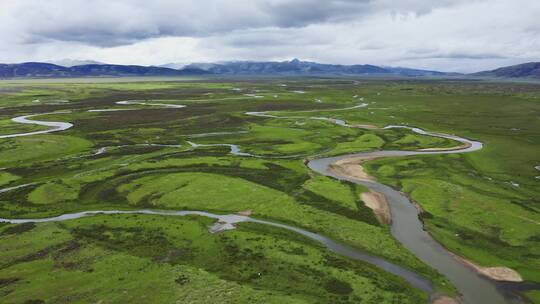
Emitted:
<point x="303" y="12"/>
<point x="109" y="23"/>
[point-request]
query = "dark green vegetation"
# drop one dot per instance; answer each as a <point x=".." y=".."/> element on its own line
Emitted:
<point x="472" y="203"/>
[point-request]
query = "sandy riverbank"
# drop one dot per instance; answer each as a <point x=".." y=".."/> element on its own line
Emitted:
<point x="352" y="168"/>
<point x="498" y="273"/>
<point x="445" y="300"/>
<point x="377" y="202"/>
<point x="465" y="145"/>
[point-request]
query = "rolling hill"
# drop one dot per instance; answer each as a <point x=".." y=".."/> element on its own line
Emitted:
<point x="524" y="70"/>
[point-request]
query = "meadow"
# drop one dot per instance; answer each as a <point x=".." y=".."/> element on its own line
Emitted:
<point x="483" y="206"/>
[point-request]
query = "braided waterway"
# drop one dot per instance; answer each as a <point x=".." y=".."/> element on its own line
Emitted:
<point x="406" y="226"/>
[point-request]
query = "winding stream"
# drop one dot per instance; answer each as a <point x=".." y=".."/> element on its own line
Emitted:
<point x="235" y="149"/>
<point x="227" y="222"/>
<point x="54" y="126"/>
<point x="134" y="102"/>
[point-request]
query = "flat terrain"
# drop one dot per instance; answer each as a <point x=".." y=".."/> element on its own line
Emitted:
<point x="483" y="206"/>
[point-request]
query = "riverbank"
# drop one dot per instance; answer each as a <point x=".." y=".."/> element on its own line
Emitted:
<point x="464" y="145"/>
<point x="351" y="168"/>
<point x="377" y="202"/>
<point x="406" y="226"/>
<point x="445" y="300"/>
<point x="497" y="273"/>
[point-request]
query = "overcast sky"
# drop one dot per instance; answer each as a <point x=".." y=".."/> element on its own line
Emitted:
<point x="448" y="35"/>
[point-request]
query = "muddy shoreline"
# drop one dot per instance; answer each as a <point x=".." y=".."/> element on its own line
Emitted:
<point x="377" y="202"/>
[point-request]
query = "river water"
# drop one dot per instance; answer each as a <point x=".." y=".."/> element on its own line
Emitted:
<point x="54" y="126"/>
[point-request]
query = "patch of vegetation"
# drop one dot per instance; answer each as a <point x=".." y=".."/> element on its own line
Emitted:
<point x="6" y="178"/>
<point x="17" y="229"/>
<point x="53" y="193"/>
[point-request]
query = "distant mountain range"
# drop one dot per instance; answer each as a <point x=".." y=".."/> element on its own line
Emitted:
<point x="297" y="67"/>
<point x="293" y="67"/>
<point x="524" y="70"/>
<point x="40" y="69"/>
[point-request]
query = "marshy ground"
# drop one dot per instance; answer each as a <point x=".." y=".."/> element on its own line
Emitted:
<point x="483" y="206"/>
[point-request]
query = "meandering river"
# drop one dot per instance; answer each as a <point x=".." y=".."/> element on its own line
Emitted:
<point x="408" y="229"/>
<point x="54" y="126"/>
<point x="406" y="225"/>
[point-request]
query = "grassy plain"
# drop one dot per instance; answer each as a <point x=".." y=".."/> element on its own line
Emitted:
<point x="472" y="203"/>
<point x="153" y="259"/>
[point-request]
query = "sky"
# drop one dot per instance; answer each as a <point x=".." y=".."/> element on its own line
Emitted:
<point x="446" y="35"/>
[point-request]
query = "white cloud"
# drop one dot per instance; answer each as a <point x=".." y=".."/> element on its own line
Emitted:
<point x="447" y="35"/>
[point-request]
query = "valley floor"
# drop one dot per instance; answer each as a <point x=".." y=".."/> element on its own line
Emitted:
<point x="151" y="153"/>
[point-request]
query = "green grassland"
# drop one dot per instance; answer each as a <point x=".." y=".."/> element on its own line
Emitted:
<point x="471" y="203"/>
<point x="152" y="259"/>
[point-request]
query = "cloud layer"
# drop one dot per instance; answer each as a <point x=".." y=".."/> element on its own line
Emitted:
<point x="449" y="35"/>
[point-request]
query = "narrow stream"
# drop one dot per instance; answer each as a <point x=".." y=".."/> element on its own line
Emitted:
<point x="227" y="221"/>
<point x="54" y="126"/>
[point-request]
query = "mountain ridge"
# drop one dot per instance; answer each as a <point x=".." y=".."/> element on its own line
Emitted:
<point x="41" y="69"/>
<point x="523" y="70"/>
<point x="298" y="67"/>
<point x="293" y="67"/>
